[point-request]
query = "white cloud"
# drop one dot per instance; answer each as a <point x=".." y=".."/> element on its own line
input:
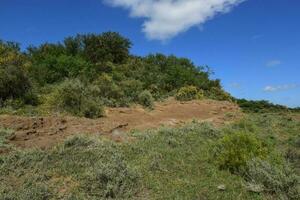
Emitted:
<point x="273" y="63"/>
<point x="165" y="19"/>
<point x="280" y="87"/>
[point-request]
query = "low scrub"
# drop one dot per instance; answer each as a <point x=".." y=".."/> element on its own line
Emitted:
<point x="145" y="99"/>
<point x="218" y="94"/>
<point x="189" y="93"/>
<point x="74" y="97"/>
<point x="14" y="82"/>
<point x="81" y="168"/>
<point x="273" y="179"/>
<point x="4" y="137"/>
<point x="233" y="151"/>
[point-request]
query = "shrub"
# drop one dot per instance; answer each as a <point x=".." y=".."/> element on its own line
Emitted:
<point x="13" y="103"/>
<point x="132" y="88"/>
<point x="105" y="86"/>
<point x="106" y="172"/>
<point x="261" y="106"/>
<point x="4" y="135"/>
<point x="31" y="98"/>
<point x="145" y="98"/>
<point x="189" y="93"/>
<point x="93" y="109"/>
<point x="71" y="95"/>
<point x="233" y="151"/>
<point x="279" y="180"/>
<point x="219" y="94"/>
<point x="55" y="68"/>
<point x="74" y="97"/>
<point x="14" y="82"/>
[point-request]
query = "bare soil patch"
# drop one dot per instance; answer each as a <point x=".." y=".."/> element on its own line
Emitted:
<point x="44" y="132"/>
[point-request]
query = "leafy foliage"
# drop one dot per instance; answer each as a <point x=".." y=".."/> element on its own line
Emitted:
<point x="145" y="98"/>
<point x="263" y="106"/>
<point x="4" y="135"/>
<point x="280" y="180"/>
<point x="189" y="93"/>
<point x="233" y="151"/>
<point x="14" y="82"/>
<point x="74" y="97"/>
<point x="104" y="64"/>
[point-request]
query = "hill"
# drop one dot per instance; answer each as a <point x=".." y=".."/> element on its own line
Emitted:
<point x="85" y="119"/>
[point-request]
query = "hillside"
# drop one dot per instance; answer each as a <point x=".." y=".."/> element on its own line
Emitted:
<point x="85" y="119"/>
<point x="45" y="132"/>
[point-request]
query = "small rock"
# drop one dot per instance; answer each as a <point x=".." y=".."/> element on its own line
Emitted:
<point x="222" y="187"/>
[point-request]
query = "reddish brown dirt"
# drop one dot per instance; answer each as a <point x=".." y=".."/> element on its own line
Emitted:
<point x="44" y="132"/>
<point x="296" y="116"/>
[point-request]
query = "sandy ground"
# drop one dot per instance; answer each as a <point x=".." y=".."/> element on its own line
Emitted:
<point x="44" y="132"/>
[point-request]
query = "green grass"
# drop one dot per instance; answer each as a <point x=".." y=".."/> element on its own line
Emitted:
<point x="81" y="168"/>
<point x="169" y="163"/>
<point x="176" y="164"/>
<point x="4" y="135"/>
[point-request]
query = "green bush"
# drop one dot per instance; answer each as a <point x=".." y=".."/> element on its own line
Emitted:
<point x="14" y="82"/>
<point x="55" y="68"/>
<point x="93" y="109"/>
<point x="145" y="98"/>
<point x="131" y="88"/>
<point x="218" y="93"/>
<point x="233" y="151"/>
<point x="74" y="97"/>
<point x="104" y="63"/>
<point x="262" y="106"/>
<point x="105" y="86"/>
<point x="279" y="180"/>
<point x="4" y="135"/>
<point x="13" y="103"/>
<point x="189" y="93"/>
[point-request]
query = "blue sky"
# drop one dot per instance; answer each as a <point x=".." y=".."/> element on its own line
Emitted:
<point x="252" y="46"/>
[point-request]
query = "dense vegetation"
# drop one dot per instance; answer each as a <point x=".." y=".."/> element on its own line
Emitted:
<point x="100" y="70"/>
<point x="263" y="106"/>
<point x="255" y="158"/>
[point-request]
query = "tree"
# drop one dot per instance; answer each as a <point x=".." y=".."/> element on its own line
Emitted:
<point x="14" y="82"/>
<point x="106" y="47"/>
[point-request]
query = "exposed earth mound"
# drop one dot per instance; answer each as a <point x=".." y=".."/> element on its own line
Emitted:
<point x="44" y="132"/>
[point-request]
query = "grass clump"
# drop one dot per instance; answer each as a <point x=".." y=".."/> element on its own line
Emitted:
<point x="4" y="136"/>
<point x="175" y="164"/>
<point x="81" y="168"/>
<point x="233" y="151"/>
<point x="189" y="93"/>
<point x="145" y="99"/>
<point x="276" y="180"/>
